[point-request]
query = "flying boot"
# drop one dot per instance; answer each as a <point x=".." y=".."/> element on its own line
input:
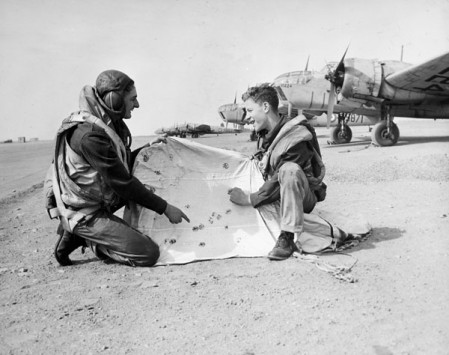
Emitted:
<point x="284" y="247"/>
<point x="66" y="244"/>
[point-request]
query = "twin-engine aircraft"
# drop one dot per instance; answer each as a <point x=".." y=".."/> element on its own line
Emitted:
<point x="371" y="90"/>
<point x="194" y="130"/>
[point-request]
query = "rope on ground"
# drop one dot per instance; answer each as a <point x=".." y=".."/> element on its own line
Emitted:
<point x="340" y="272"/>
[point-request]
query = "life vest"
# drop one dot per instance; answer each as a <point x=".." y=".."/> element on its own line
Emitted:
<point x="79" y="190"/>
<point x="293" y="132"/>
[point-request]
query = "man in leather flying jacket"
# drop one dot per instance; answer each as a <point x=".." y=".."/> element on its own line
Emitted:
<point x="91" y="178"/>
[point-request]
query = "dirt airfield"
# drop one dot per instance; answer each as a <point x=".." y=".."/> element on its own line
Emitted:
<point x="398" y="304"/>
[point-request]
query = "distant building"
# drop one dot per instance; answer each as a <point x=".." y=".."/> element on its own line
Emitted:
<point x="35" y="139"/>
<point x="22" y="140"/>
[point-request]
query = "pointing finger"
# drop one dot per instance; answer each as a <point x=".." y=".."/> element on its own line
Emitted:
<point x="185" y="217"/>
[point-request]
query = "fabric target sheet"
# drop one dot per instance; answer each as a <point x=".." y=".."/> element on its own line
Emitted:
<point x="196" y="178"/>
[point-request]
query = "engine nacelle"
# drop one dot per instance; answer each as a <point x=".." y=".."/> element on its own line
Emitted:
<point x="362" y="78"/>
<point x="233" y="113"/>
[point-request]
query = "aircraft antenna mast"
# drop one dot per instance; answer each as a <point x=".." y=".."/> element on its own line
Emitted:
<point x="402" y="52"/>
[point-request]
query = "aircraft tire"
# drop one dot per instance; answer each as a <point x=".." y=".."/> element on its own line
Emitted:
<point x="338" y="136"/>
<point x="380" y="135"/>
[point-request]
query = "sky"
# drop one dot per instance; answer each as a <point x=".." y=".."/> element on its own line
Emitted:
<point x="188" y="57"/>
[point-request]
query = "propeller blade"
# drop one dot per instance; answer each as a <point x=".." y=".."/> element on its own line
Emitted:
<point x="341" y="64"/>
<point x="344" y="55"/>
<point x="290" y="108"/>
<point x="330" y="105"/>
<point x="332" y="77"/>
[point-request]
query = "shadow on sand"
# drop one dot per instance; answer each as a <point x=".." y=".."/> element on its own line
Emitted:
<point x="406" y="140"/>
<point x="379" y="235"/>
<point x="85" y="261"/>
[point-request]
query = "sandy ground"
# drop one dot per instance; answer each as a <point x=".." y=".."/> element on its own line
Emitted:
<point x="244" y="306"/>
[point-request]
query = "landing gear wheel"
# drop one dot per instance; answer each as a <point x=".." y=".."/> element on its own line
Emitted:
<point x="339" y="135"/>
<point x="381" y="137"/>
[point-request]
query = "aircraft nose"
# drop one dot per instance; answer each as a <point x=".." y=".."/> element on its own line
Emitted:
<point x="282" y="79"/>
<point x="278" y="82"/>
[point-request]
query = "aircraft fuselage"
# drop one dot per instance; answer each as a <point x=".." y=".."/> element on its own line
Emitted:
<point x="362" y="91"/>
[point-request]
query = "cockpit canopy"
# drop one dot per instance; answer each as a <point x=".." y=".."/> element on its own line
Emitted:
<point x="293" y="78"/>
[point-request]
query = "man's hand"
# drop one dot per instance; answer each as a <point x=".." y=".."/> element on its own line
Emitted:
<point x="174" y="214"/>
<point x="239" y="197"/>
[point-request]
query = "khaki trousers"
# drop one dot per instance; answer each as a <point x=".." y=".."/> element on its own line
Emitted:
<point x="296" y="197"/>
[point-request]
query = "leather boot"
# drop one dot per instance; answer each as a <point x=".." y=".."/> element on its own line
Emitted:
<point x="66" y="244"/>
<point x="284" y="247"/>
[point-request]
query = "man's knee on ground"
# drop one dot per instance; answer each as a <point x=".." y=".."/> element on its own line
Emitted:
<point x="151" y="257"/>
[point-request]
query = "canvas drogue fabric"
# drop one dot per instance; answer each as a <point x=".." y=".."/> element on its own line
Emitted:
<point x="196" y="178"/>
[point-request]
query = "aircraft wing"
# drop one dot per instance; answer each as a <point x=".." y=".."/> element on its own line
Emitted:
<point x="431" y="77"/>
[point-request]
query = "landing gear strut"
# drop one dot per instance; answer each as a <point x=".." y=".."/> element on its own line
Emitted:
<point x="385" y="132"/>
<point x="342" y="132"/>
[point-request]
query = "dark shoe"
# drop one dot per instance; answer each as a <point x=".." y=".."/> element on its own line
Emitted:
<point x="284" y="247"/>
<point x="66" y="244"/>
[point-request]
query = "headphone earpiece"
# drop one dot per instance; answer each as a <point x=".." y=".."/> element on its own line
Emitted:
<point x="113" y="100"/>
